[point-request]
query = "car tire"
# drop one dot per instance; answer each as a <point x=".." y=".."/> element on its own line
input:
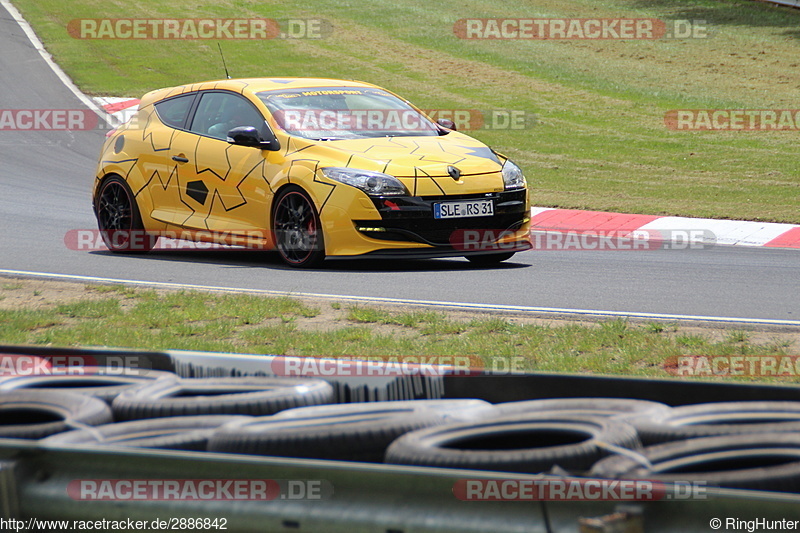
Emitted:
<point x="455" y="410"/>
<point x="757" y="461"/>
<point x="521" y="443"/>
<point x="600" y="407"/>
<point x="254" y="396"/>
<point x="344" y="432"/>
<point x="712" y="419"/>
<point x="297" y="229"/>
<point x="101" y="382"/>
<point x="119" y="219"/>
<point x="490" y="259"/>
<point x="35" y="414"/>
<point x="188" y="433"/>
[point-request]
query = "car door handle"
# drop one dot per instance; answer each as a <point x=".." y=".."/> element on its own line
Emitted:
<point x="180" y="159"/>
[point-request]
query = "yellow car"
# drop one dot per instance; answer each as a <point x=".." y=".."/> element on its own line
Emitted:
<point x="313" y="168"/>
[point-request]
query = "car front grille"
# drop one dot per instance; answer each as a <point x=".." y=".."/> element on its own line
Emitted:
<point x="410" y="219"/>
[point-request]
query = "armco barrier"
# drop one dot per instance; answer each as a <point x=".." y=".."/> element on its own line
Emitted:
<point x="790" y="3"/>
<point x="45" y="483"/>
<point x="348" y="386"/>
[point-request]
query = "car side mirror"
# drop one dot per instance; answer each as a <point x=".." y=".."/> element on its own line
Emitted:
<point x="249" y="136"/>
<point x="447" y="123"/>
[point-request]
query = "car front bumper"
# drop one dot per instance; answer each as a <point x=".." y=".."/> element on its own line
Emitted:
<point x="406" y="228"/>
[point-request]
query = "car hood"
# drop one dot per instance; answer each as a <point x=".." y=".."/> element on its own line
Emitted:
<point x="408" y="157"/>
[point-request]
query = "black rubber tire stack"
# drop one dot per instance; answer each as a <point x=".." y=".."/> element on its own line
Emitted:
<point x="35" y="414"/>
<point x="221" y="396"/>
<point x="531" y="443"/>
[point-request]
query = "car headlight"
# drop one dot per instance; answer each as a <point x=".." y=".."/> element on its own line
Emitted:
<point x="372" y="183"/>
<point x="512" y="176"/>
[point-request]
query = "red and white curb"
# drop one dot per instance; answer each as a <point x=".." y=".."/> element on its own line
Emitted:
<point x="545" y="219"/>
<point x="122" y="109"/>
<point x="726" y="232"/>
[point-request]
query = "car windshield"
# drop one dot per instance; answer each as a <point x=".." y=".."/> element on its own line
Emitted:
<point x="332" y="113"/>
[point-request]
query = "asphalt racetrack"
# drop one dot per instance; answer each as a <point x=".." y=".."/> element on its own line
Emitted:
<point x="46" y="177"/>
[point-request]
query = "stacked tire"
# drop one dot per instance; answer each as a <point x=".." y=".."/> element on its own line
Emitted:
<point x="79" y="406"/>
<point x="746" y="445"/>
<point x="751" y="445"/>
<point x="34" y="414"/>
<point x="345" y="432"/>
<point x="36" y="406"/>
<point x="181" y="414"/>
<point x="529" y="443"/>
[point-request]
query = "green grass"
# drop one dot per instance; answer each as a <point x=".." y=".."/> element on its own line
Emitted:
<point x="599" y="141"/>
<point x="145" y="319"/>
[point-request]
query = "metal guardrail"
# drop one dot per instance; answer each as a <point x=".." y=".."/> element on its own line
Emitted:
<point x="348" y="386"/>
<point x="374" y="498"/>
<point x="35" y="480"/>
<point x="790" y="3"/>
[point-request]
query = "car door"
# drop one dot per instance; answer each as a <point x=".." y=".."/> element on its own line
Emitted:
<point x="162" y="126"/>
<point x="223" y="187"/>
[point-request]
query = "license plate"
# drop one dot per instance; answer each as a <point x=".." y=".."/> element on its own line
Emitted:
<point x="463" y="209"/>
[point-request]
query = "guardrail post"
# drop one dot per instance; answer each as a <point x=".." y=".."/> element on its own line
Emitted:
<point x="9" y="500"/>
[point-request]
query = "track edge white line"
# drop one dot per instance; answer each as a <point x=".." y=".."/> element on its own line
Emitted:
<point x="48" y="59"/>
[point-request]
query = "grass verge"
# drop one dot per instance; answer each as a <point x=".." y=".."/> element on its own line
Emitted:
<point x="599" y="141"/>
<point x="69" y="314"/>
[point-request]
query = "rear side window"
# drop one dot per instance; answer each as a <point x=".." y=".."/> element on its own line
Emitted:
<point x="173" y="111"/>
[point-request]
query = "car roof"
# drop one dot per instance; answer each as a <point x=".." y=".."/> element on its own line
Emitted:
<point x="251" y="85"/>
